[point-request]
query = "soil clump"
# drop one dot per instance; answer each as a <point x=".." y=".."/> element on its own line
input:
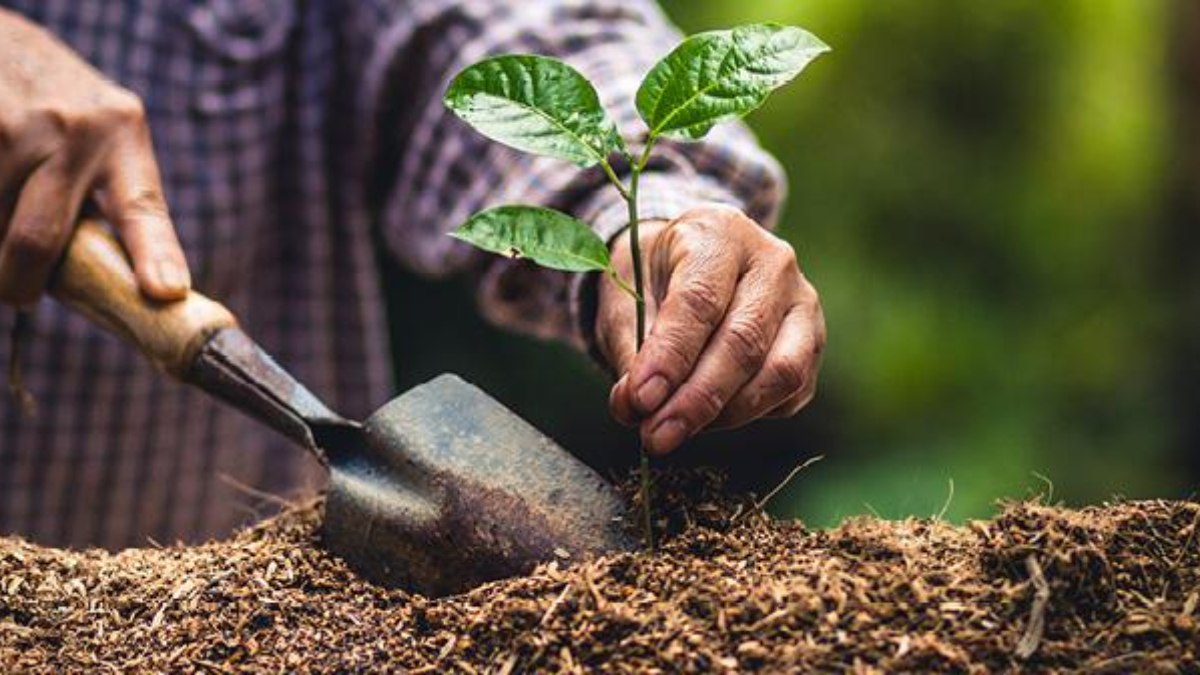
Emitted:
<point x="1111" y="588"/>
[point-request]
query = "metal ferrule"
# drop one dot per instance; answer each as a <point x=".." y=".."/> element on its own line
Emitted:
<point x="234" y="368"/>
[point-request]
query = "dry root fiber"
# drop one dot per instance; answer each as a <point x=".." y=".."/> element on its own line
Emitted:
<point x="1104" y="589"/>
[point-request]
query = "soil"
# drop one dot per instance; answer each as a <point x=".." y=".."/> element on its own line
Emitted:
<point x="1104" y="589"/>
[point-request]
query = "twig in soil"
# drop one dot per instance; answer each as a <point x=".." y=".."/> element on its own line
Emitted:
<point x="1125" y="663"/>
<point x="598" y="599"/>
<point x="510" y="664"/>
<point x="569" y="665"/>
<point x="941" y="515"/>
<point x="1049" y="486"/>
<point x="554" y="605"/>
<point x="1032" y="637"/>
<point x="252" y="491"/>
<point x="1191" y="539"/>
<point x="770" y="620"/>
<point x="1189" y="605"/>
<point x="760" y="504"/>
<point x="215" y="667"/>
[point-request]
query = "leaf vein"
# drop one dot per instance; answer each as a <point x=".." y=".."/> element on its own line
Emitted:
<point x="595" y="154"/>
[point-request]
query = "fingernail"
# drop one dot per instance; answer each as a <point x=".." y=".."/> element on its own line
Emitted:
<point x="652" y="393"/>
<point x="172" y="276"/>
<point x="612" y="392"/>
<point x="668" y="435"/>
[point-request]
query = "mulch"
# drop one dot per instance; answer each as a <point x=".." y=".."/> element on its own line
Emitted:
<point x="1110" y="588"/>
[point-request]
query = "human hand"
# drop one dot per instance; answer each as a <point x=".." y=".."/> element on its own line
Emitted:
<point x="68" y="135"/>
<point x="735" y="330"/>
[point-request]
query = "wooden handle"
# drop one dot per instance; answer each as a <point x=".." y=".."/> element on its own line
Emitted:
<point x="96" y="279"/>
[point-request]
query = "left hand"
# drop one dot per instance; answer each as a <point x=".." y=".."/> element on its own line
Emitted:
<point x="734" y="330"/>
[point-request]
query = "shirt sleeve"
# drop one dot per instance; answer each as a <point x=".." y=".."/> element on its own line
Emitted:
<point x="432" y="171"/>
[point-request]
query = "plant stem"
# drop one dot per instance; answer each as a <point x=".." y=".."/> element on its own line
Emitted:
<point x="635" y="242"/>
<point x="635" y="249"/>
<point x="612" y="178"/>
<point x="621" y="283"/>
<point x="645" y="159"/>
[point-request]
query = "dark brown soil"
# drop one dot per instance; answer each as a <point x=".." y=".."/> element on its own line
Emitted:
<point x="1104" y="589"/>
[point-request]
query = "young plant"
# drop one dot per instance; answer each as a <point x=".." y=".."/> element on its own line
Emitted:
<point x="543" y="106"/>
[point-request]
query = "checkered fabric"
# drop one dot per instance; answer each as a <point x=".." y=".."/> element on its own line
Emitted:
<point x="295" y="138"/>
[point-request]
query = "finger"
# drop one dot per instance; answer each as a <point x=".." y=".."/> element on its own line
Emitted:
<point x="621" y="398"/>
<point x="788" y="378"/>
<point x="702" y="280"/>
<point x="733" y="356"/>
<point x="616" y="325"/>
<point x="40" y="227"/>
<point x="798" y="402"/>
<point x="616" y="338"/>
<point x="134" y="204"/>
<point x="619" y="405"/>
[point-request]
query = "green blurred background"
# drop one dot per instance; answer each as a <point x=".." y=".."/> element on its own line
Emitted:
<point x="995" y="202"/>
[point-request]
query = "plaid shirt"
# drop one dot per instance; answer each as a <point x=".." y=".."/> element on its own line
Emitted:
<point x="294" y="138"/>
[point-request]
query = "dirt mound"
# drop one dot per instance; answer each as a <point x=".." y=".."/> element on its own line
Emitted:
<point x="1109" y="588"/>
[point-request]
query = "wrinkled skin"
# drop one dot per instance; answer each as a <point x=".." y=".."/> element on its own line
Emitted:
<point x="735" y="330"/>
<point x="69" y="137"/>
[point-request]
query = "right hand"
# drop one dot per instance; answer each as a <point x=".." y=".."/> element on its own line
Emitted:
<point x="68" y="135"/>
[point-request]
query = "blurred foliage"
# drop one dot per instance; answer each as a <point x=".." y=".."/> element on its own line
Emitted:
<point x="977" y="191"/>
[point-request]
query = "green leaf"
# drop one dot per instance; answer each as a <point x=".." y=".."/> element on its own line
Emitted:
<point x="721" y="75"/>
<point x="535" y="104"/>
<point x="549" y="238"/>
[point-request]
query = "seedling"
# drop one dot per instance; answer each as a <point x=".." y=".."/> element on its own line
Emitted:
<point x="543" y="106"/>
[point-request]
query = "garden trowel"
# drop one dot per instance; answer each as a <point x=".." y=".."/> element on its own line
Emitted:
<point x="441" y="489"/>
